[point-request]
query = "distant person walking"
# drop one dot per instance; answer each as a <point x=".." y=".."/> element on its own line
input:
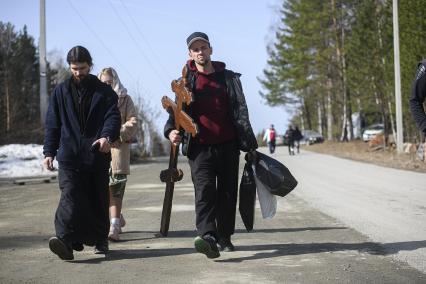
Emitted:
<point x="82" y="122"/>
<point x="221" y="113"/>
<point x="270" y="138"/>
<point x="297" y="137"/>
<point x="120" y="152"/>
<point x="289" y="134"/>
<point x="418" y="97"/>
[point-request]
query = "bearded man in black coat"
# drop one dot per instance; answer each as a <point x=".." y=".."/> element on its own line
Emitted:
<point x="81" y="123"/>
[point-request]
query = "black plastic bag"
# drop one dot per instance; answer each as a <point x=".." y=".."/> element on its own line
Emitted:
<point x="274" y="175"/>
<point x="247" y="197"/>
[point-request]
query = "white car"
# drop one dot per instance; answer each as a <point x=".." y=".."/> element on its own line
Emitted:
<point x="372" y="131"/>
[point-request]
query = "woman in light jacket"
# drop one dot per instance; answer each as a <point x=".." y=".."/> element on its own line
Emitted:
<point x="120" y="152"/>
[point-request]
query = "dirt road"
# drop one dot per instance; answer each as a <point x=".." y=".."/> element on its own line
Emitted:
<point x="387" y="205"/>
<point x="300" y="244"/>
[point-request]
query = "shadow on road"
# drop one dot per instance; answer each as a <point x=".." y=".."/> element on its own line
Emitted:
<point x="137" y="254"/>
<point x="277" y="250"/>
<point x="266" y="251"/>
<point x="270" y="250"/>
<point x="262" y="251"/>
<point x="189" y="234"/>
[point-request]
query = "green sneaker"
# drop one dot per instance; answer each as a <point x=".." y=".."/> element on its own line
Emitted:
<point x="206" y="245"/>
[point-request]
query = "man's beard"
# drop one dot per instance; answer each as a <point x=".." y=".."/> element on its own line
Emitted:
<point x="205" y="62"/>
<point x="79" y="79"/>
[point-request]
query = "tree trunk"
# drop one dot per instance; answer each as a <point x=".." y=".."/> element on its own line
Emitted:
<point x="384" y="97"/>
<point x="349" y="110"/>
<point x="329" y="117"/>
<point x="319" y="117"/>
<point x="384" y="117"/>
<point x="307" y="115"/>
<point x="6" y="88"/>
<point x="302" y="119"/>
<point x="391" y="120"/>
<point x="344" y="135"/>
<point x="342" y="69"/>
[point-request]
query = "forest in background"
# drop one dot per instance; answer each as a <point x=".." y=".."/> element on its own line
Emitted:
<point x="332" y="59"/>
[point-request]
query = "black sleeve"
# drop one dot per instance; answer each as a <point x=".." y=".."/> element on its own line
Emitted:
<point x="112" y="117"/>
<point x="52" y="127"/>
<point x="245" y="134"/>
<point x="418" y="96"/>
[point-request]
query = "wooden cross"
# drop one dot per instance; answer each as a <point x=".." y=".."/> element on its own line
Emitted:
<point x="182" y="122"/>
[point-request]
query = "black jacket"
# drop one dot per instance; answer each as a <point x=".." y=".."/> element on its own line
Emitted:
<point x="418" y="96"/>
<point x="238" y="110"/>
<point x="63" y="137"/>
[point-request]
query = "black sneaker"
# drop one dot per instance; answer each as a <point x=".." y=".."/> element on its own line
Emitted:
<point x="101" y="247"/>
<point x="77" y="246"/>
<point x="207" y="245"/>
<point x="226" y="245"/>
<point x="60" y="248"/>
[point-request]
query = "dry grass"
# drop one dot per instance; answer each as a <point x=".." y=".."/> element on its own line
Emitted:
<point x="359" y="151"/>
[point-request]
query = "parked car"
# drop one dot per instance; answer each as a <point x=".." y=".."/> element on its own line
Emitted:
<point x="135" y="148"/>
<point x="371" y="131"/>
<point x="279" y="140"/>
<point x="311" y="137"/>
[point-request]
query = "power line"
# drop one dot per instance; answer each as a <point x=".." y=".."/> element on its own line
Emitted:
<point x="137" y="43"/>
<point x="99" y="39"/>
<point x="144" y="38"/>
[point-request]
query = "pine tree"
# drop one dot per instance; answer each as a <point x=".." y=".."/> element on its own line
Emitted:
<point x="332" y="56"/>
<point x="300" y="70"/>
<point x="368" y="49"/>
<point x="412" y="34"/>
<point x="19" y="87"/>
<point x="7" y="41"/>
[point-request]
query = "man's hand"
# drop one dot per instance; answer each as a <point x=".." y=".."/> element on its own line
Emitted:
<point x="48" y="163"/>
<point x="175" y="137"/>
<point x="116" y="144"/>
<point x="251" y="156"/>
<point x="104" y="145"/>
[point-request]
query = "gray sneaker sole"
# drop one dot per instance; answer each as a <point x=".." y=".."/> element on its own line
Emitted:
<point x="202" y="246"/>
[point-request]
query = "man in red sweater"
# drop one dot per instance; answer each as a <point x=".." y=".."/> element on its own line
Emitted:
<point x="220" y="111"/>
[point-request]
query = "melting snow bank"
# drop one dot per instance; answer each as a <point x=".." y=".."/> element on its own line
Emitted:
<point x="18" y="160"/>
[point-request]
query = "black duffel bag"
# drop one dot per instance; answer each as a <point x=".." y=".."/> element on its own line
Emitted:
<point x="274" y="175"/>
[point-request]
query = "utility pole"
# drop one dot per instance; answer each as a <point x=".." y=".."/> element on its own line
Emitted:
<point x="42" y="60"/>
<point x="398" y="105"/>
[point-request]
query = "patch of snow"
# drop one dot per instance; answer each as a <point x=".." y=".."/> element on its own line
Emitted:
<point x="19" y="160"/>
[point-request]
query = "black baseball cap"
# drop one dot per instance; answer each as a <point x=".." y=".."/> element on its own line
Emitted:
<point x="197" y="36"/>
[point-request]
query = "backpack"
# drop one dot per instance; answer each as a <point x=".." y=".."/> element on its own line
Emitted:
<point x="271" y="135"/>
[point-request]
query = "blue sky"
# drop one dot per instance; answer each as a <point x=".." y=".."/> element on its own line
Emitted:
<point x="145" y="41"/>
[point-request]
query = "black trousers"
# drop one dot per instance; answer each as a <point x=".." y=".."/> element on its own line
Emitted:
<point x="271" y="145"/>
<point x="291" y="147"/>
<point x="214" y="170"/>
<point x="82" y="215"/>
